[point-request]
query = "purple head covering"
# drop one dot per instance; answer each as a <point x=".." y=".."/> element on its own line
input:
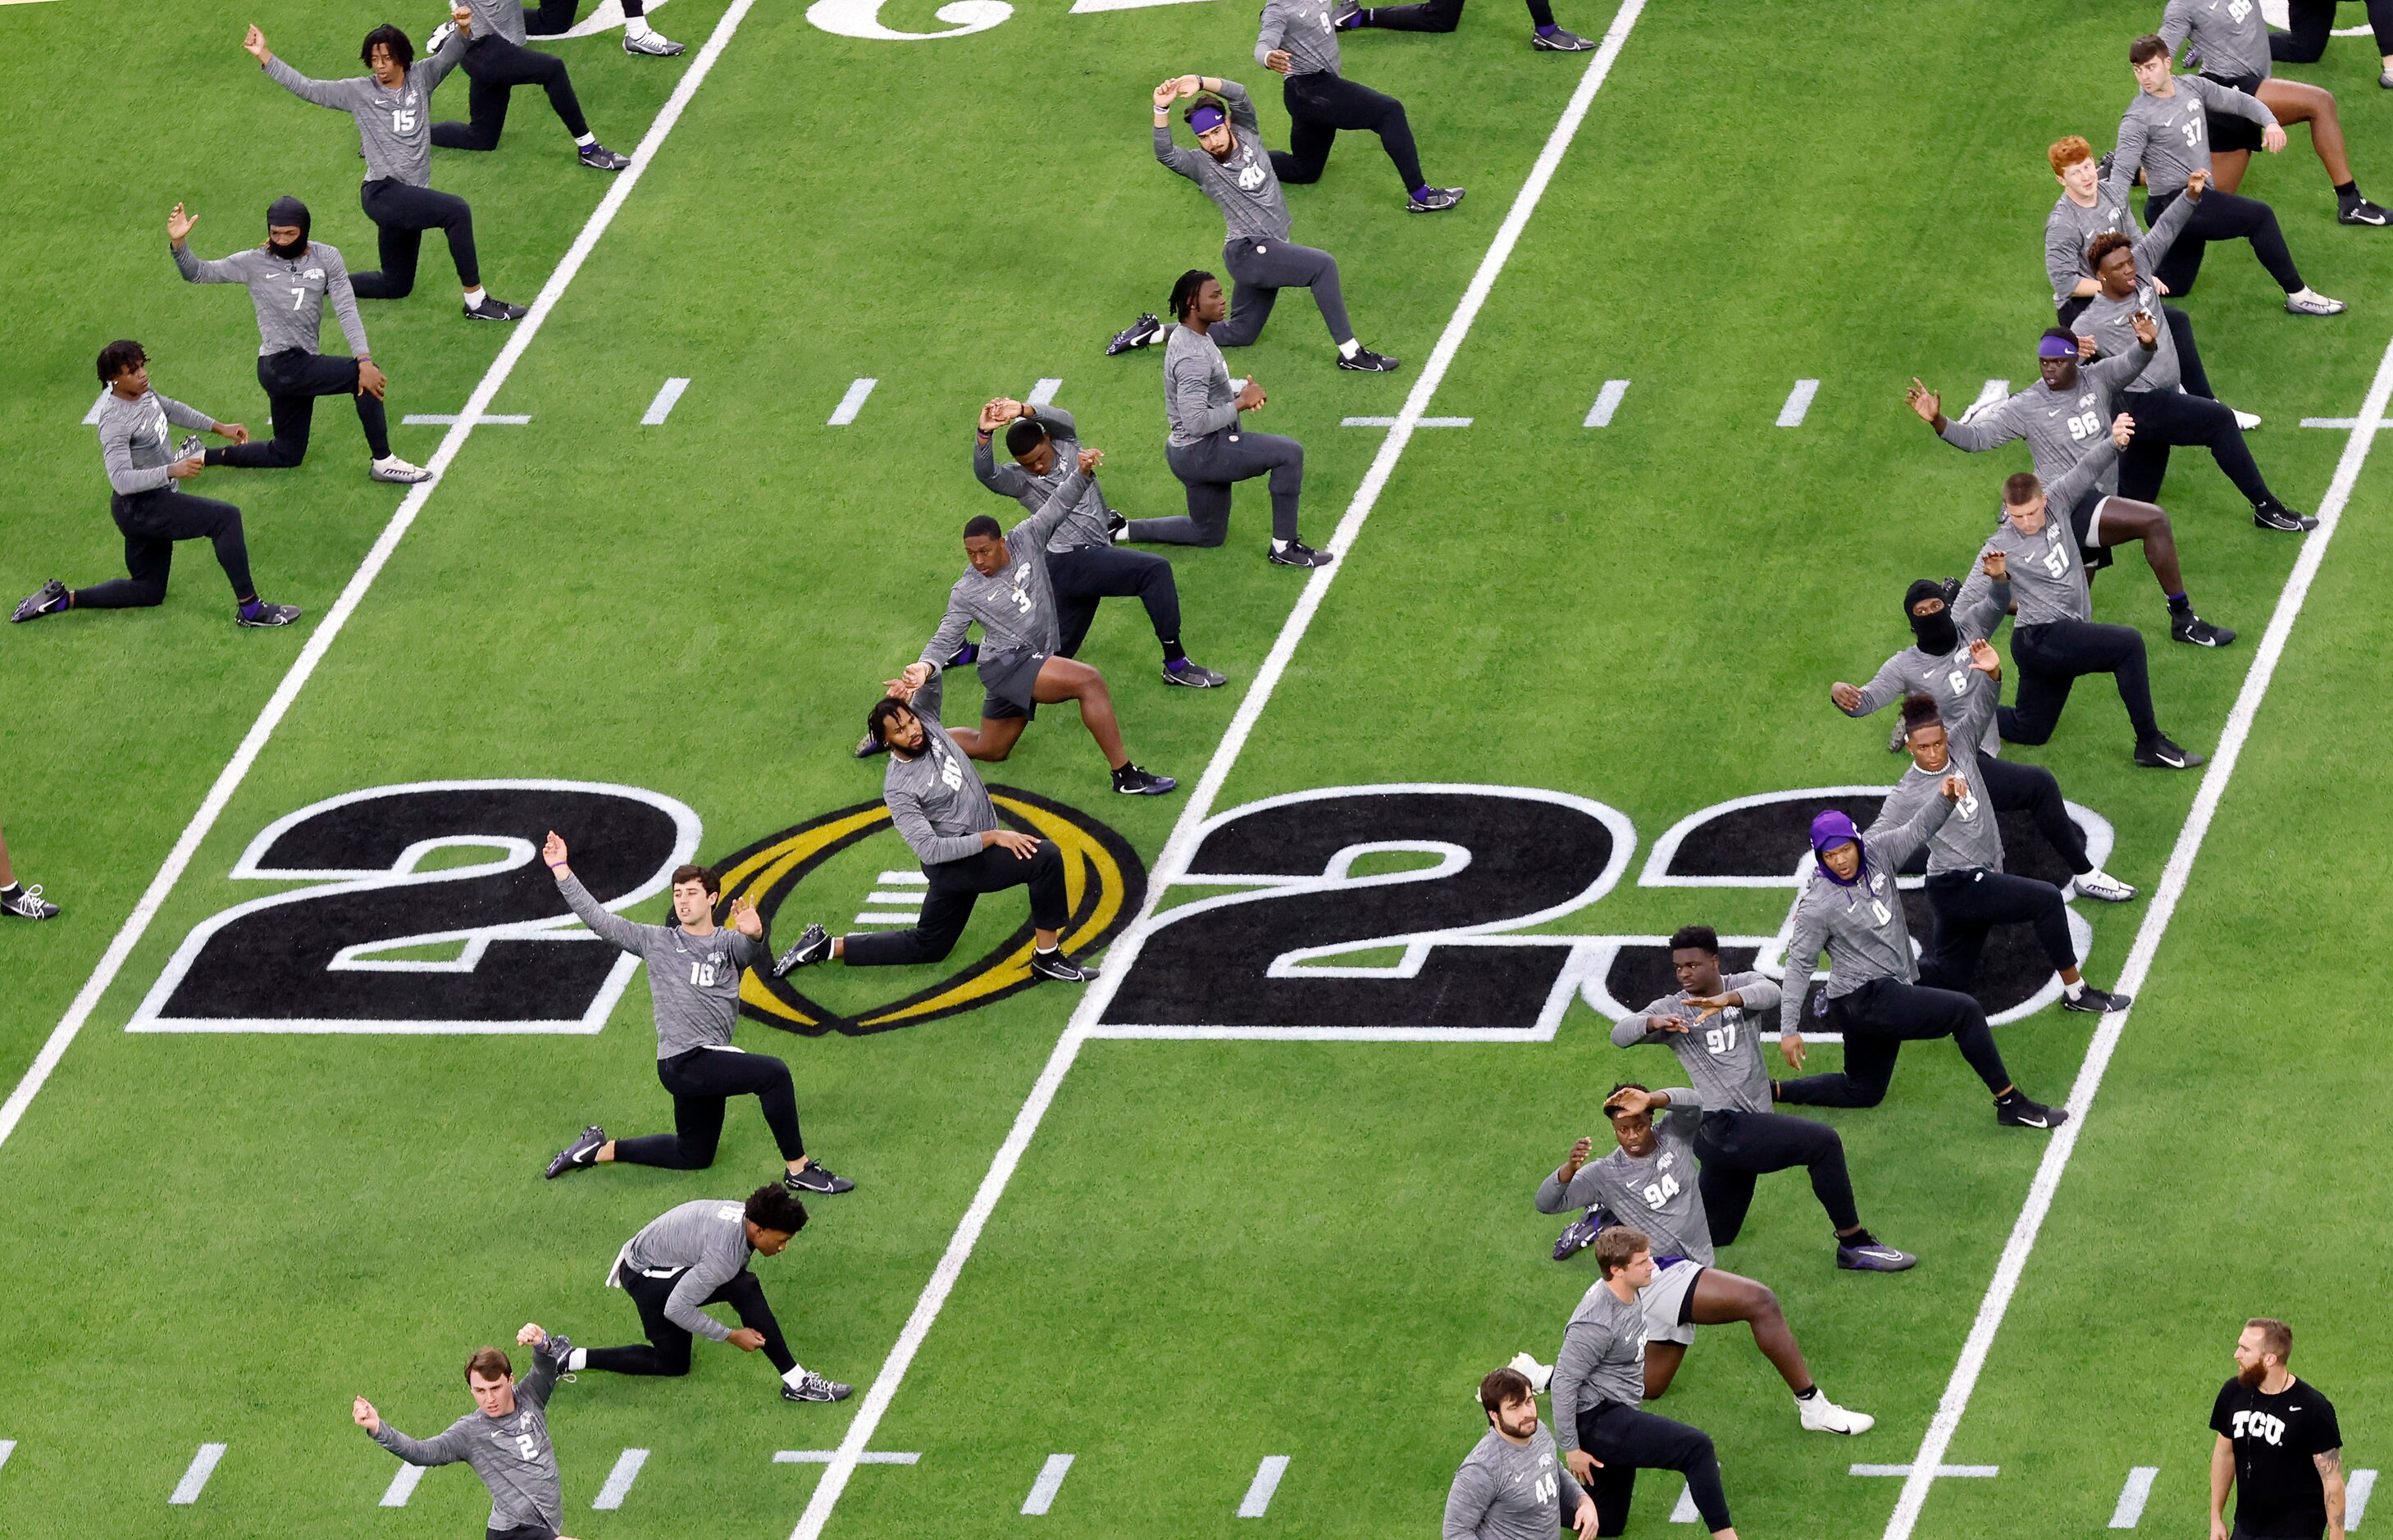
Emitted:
<point x="1831" y="827"/>
<point x="1207" y="118"/>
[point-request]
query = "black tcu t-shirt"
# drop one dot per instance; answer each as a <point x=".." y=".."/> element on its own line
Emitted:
<point x="2278" y="1493"/>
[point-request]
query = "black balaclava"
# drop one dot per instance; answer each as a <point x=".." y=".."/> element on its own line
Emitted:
<point x="287" y="211"/>
<point x="1936" y="634"/>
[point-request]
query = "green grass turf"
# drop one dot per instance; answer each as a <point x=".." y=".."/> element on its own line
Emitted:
<point x="1213" y="1251"/>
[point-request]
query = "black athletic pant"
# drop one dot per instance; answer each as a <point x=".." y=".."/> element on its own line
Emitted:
<point x="2030" y="788"/>
<point x="401" y="214"/>
<point x="551" y="16"/>
<point x="701" y="1081"/>
<point x="2189" y="357"/>
<point x="153" y="522"/>
<point x="1877" y="1020"/>
<point x="1735" y="1147"/>
<point x="294" y="378"/>
<point x="1259" y="271"/>
<point x="2222" y="216"/>
<point x="1209" y="468"/>
<point x="955" y="885"/>
<point x="667" y="1351"/>
<point x="1968" y="904"/>
<point x="521" y="1532"/>
<point x="1081" y="578"/>
<point x="2054" y="656"/>
<point x="2309" y="22"/>
<point x="1319" y="104"/>
<point x="1626" y="1441"/>
<point x="2167" y="418"/>
<point x="495" y="67"/>
<point x="1444" y="16"/>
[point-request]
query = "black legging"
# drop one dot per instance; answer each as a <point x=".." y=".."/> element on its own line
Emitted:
<point x="495" y="67"/>
<point x="294" y="379"/>
<point x="552" y="16"/>
<point x="955" y="887"/>
<point x="667" y="1349"/>
<point x="1082" y="577"/>
<point x="700" y="1081"/>
<point x="2015" y="788"/>
<point x="2189" y="358"/>
<point x="401" y="214"/>
<point x="2054" y="656"/>
<point x="1319" y="104"/>
<point x="2167" y="418"/>
<point x="151" y="523"/>
<point x="1735" y="1147"/>
<point x="1968" y="904"/>
<point x="1444" y="16"/>
<point x="2309" y="22"/>
<point x="2222" y="216"/>
<point x="1209" y="468"/>
<point x="1624" y="1441"/>
<point x="1877" y="1020"/>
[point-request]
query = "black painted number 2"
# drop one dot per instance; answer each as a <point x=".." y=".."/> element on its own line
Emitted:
<point x="447" y="876"/>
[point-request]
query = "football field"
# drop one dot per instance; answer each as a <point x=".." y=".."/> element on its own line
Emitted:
<point x="1223" y="1242"/>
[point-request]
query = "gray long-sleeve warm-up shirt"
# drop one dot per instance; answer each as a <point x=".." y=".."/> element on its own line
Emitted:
<point x="499" y="19"/>
<point x="2058" y="424"/>
<point x="1965" y="698"/>
<point x="134" y="441"/>
<point x="2169" y="136"/>
<point x="1016" y="605"/>
<point x="1657" y="1191"/>
<point x="1198" y="400"/>
<point x="512" y="1453"/>
<point x="396" y="126"/>
<point x="1244" y="187"/>
<point x="1721" y="1055"/>
<point x="1084" y="524"/>
<point x="705" y="1242"/>
<point x="1603" y="1358"/>
<point x="1507" y="1490"/>
<point x="935" y="797"/>
<point x="2111" y="322"/>
<point x="1863" y="925"/>
<point x="693" y="980"/>
<point x="2069" y="230"/>
<point x="2230" y="37"/>
<point x="288" y="296"/>
<point x="1306" y="28"/>
<point x="1966" y="840"/>
<point x="2046" y="572"/>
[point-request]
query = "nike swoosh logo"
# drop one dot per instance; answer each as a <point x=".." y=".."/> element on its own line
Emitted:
<point x="2054" y="412"/>
<point x="2034" y="1123"/>
<point x="2174" y="763"/>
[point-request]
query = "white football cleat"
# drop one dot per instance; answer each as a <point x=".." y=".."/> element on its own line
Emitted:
<point x="1823" y="1416"/>
<point x="1539" y="1375"/>
<point x="2247" y="421"/>
<point x="2103" y="886"/>
<point x="655" y="45"/>
<point x="390" y="467"/>
<point x="2310" y="301"/>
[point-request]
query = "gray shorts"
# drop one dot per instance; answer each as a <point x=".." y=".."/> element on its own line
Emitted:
<point x="1009" y="679"/>
<point x="1669" y="1301"/>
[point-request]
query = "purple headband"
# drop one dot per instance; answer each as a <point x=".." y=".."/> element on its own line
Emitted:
<point x="2053" y="347"/>
<point x="1207" y="118"/>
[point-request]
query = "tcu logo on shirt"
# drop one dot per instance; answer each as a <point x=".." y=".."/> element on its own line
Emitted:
<point x="2259" y="1424"/>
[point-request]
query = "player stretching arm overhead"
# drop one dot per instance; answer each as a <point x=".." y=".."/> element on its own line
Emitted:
<point x="2230" y="39"/>
<point x="505" y="1439"/>
<point x="1299" y="41"/>
<point x="551" y="17"/>
<point x="497" y="61"/>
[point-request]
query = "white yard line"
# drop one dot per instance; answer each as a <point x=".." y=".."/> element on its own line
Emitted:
<point x="1607" y="401"/>
<point x="2355" y="1498"/>
<point x="2133" y="1497"/>
<point x="1043" y="393"/>
<point x="328" y="630"/>
<point x="851" y="403"/>
<point x="450" y="419"/>
<point x="402" y="1486"/>
<point x="195" y="1479"/>
<point x="1799" y="403"/>
<point x="1201" y="798"/>
<point x="2171" y="888"/>
<point x="620" y="1480"/>
<point x="1266" y="1481"/>
<point x="661" y="408"/>
<point x="1390" y="421"/>
<point x="1049" y="1482"/>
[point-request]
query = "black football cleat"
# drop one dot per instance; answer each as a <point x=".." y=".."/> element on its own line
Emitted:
<point x="2159" y="753"/>
<point x="1138" y="333"/>
<point x="580" y="1155"/>
<point x="1132" y="781"/>
<point x="2096" y="1002"/>
<point x="813" y="946"/>
<point x="813" y="1386"/>
<point x="1297" y="553"/>
<point x="2021" y="1113"/>
<point x="48" y="599"/>
<point x="1058" y="965"/>
<point x="2194" y="631"/>
<point x="1367" y="363"/>
<point x="817" y="1179"/>
<point x="267" y="615"/>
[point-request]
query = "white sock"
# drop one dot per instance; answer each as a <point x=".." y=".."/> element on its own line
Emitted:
<point x="635" y="26"/>
<point x="577" y="1360"/>
<point x="585" y="140"/>
<point x="475" y="297"/>
<point x="1279" y="544"/>
<point x="1348" y="348"/>
<point x="796" y="1376"/>
<point x="2072" y="990"/>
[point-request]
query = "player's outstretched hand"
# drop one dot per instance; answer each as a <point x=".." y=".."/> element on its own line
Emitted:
<point x="2148" y="329"/>
<point x="1579" y="1151"/>
<point x="179" y="225"/>
<point x="912" y="677"/>
<point x="362" y="1413"/>
<point x="1984" y="658"/>
<point x="184" y="470"/>
<point x="991" y="419"/>
<point x="372" y="381"/>
<point x="1926" y="402"/>
<point x="1846" y="697"/>
<point x="746" y="1339"/>
<point x="1090" y="460"/>
<point x="531" y="1335"/>
<point x="1790" y="1048"/>
<point x="1707" y="1007"/>
<point x="254" y="42"/>
<point x="464" y="17"/>
<point x="2123" y="428"/>
<point x="552" y="850"/>
<point x="2272" y="138"/>
<point x="745" y="919"/>
<point x="1666" y="1024"/>
<point x="1996" y="567"/>
<point x="1165" y="94"/>
<point x="1628" y="1101"/>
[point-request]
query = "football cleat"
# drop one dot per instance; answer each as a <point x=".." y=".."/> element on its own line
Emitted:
<point x="494" y="308"/>
<point x="2307" y="303"/>
<point x="2359" y="211"/>
<point x="2021" y="1113"/>
<point x="597" y="157"/>
<point x="559" y="1349"/>
<point x="1138" y="333"/>
<point x="1367" y="363"/>
<point x="2101" y="885"/>
<point x="1060" y="966"/>
<point x="813" y="1386"/>
<point x="1868" y="1255"/>
<point x="1580" y="1234"/>
<point x="1346" y="14"/>
<point x="2194" y="631"/>
<point x="2247" y="421"/>
<point x="1559" y="42"/>
<point x="1297" y="553"/>
<point x="440" y="35"/>
<point x="655" y="45"/>
<point x="48" y="599"/>
<point x="1117" y="527"/>
<point x="1431" y="200"/>
<point x="1821" y="1416"/>
<point x="580" y="1154"/>
<point x="1132" y="781"/>
<point x="2273" y="514"/>
<point x="2159" y="753"/>
<point x="390" y="467"/>
<point x="27" y="902"/>
<point x="2096" y="1002"/>
<point x="868" y="745"/>
<point x="268" y="615"/>
<point x="817" y="1179"/>
<point x="813" y="946"/>
<point x="1190" y="674"/>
